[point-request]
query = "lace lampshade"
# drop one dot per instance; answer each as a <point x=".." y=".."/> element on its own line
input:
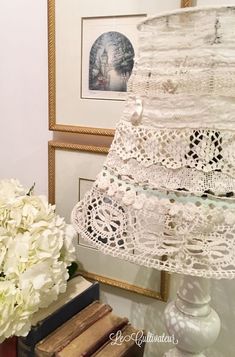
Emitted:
<point x="165" y="196"/>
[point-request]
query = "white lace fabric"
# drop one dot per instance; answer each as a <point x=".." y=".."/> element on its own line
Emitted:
<point x="193" y="237"/>
<point x="159" y="176"/>
<point x="204" y="149"/>
<point x="165" y="197"/>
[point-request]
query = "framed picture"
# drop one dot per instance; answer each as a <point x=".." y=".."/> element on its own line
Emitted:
<point x="109" y="45"/>
<point x="91" y="46"/>
<point x="72" y="170"/>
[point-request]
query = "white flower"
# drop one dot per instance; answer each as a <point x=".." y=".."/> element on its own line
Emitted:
<point x="129" y="197"/>
<point x="69" y="250"/>
<point x="9" y="189"/>
<point x="36" y="247"/>
<point x="8" y="301"/>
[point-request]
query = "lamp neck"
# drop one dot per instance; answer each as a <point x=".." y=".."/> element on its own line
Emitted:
<point x="193" y="296"/>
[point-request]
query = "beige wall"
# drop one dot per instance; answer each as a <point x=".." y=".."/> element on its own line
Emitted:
<point x="23" y="91"/>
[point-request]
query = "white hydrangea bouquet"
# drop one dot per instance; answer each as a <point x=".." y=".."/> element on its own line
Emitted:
<point x="36" y="248"/>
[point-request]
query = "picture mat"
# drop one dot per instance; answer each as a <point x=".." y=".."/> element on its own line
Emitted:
<point x="105" y="265"/>
<point x="84" y="185"/>
<point x="70" y="108"/>
<point x="71" y="164"/>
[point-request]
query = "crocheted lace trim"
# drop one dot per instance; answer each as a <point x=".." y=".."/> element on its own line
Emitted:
<point x="198" y="30"/>
<point x="158" y="176"/>
<point x="180" y="111"/>
<point x="194" y="236"/>
<point x="166" y="77"/>
<point x="205" y="150"/>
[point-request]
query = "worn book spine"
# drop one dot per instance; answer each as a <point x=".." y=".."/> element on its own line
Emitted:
<point x="27" y="344"/>
<point x="62" y="336"/>
<point x="128" y="342"/>
<point x="93" y="337"/>
<point x="104" y="338"/>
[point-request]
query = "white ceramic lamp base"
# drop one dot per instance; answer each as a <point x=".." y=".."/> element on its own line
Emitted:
<point x="176" y="353"/>
<point x="191" y="320"/>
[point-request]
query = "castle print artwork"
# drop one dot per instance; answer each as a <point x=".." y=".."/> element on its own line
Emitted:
<point x="108" y="54"/>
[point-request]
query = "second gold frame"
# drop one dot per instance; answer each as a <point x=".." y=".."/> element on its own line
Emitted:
<point x="68" y="163"/>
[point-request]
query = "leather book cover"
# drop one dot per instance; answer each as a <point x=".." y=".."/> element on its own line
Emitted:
<point x="94" y="337"/>
<point x="8" y="347"/>
<point x="62" y="336"/>
<point x="26" y="345"/>
<point x="126" y="343"/>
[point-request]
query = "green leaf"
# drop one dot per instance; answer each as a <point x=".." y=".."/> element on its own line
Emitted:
<point x="30" y="190"/>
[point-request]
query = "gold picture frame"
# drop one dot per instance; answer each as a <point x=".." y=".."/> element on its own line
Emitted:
<point x="65" y="161"/>
<point x="68" y="112"/>
<point x="188" y="3"/>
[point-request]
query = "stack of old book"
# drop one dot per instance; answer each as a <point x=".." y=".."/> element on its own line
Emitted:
<point x="80" y="325"/>
<point x="95" y="331"/>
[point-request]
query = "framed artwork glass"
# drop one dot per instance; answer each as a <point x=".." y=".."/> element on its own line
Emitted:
<point x="92" y="46"/>
<point x="108" y="50"/>
<point x="72" y="171"/>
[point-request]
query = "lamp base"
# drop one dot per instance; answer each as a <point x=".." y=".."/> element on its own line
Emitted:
<point x="191" y="320"/>
<point x="176" y="353"/>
